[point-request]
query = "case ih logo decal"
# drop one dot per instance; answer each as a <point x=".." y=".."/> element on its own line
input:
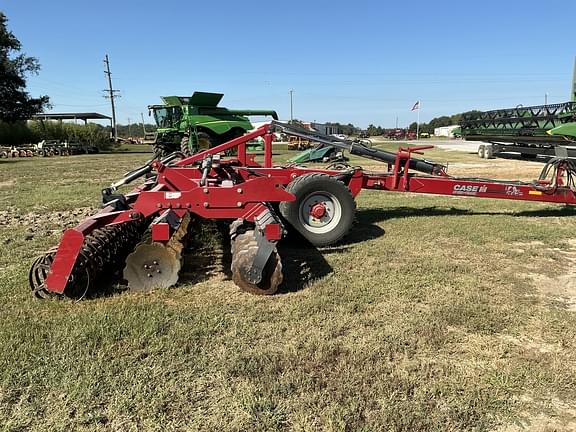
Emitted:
<point x="468" y="189"/>
<point x="513" y="191"/>
<point x="460" y="189"/>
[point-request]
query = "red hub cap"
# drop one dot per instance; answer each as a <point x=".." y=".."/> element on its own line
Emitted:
<point x="318" y="211"/>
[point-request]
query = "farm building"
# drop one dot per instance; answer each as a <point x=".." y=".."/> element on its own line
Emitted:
<point x="445" y="131"/>
<point x="326" y="129"/>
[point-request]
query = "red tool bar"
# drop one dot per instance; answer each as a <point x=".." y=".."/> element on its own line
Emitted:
<point x="464" y="187"/>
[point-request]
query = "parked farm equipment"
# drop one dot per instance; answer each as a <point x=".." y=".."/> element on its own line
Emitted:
<point x="145" y="230"/>
<point x="48" y="148"/>
<point x="190" y="124"/>
<point x="548" y="130"/>
<point x="530" y="131"/>
<point x="17" y="151"/>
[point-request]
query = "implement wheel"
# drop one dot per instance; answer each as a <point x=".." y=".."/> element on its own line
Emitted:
<point x="244" y="251"/>
<point x="77" y="286"/>
<point x="481" y="151"/>
<point x="323" y="211"/>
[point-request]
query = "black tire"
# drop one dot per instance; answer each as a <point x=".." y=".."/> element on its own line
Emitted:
<point x="205" y="141"/>
<point x="198" y="142"/>
<point x="488" y="152"/>
<point x="158" y="150"/>
<point x="162" y="149"/>
<point x="481" y="150"/>
<point x="244" y="249"/>
<point x="185" y="146"/>
<point x="328" y="193"/>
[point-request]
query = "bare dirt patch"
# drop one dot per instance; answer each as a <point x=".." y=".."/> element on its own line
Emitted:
<point x="561" y="417"/>
<point x="560" y="289"/>
<point x="521" y="247"/>
<point x="498" y="169"/>
<point x="43" y="222"/>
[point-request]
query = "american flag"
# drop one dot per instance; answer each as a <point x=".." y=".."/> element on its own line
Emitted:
<point x="416" y="106"/>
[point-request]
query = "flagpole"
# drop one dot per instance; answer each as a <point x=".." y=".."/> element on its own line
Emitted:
<point x="418" y="120"/>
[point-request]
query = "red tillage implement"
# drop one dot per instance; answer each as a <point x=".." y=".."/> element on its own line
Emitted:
<point x="144" y="231"/>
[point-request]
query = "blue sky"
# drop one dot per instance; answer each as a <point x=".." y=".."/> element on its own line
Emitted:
<point x="358" y="61"/>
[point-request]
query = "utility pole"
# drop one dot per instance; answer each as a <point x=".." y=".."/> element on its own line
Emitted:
<point x="143" y="125"/>
<point x="573" y="98"/>
<point x="291" y="107"/>
<point x="129" y="128"/>
<point x="545" y="99"/>
<point x="396" y="122"/>
<point x="111" y="95"/>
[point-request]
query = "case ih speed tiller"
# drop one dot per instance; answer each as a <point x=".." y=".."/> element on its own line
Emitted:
<point x="145" y="230"/>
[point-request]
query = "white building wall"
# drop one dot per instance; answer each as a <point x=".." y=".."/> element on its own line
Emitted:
<point x="445" y="131"/>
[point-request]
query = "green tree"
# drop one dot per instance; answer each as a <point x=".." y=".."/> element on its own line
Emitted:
<point x="373" y="130"/>
<point x="15" y="103"/>
<point x="134" y="130"/>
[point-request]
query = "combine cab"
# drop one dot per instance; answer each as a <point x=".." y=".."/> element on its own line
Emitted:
<point x="190" y="124"/>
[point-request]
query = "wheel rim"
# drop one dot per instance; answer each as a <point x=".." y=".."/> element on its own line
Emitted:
<point x="320" y="212"/>
<point x="203" y="143"/>
<point x="38" y="274"/>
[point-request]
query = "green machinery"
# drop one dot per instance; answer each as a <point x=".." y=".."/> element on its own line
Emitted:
<point x="320" y="153"/>
<point x="531" y="131"/>
<point x="192" y="123"/>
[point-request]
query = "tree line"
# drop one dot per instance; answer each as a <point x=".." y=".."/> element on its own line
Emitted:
<point x="439" y="122"/>
<point x="373" y="130"/>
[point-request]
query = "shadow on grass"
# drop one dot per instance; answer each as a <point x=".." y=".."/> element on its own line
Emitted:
<point x="374" y="215"/>
<point x="124" y="152"/>
<point x="302" y="263"/>
<point x="364" y="229"/>
<point x="520" y="157"/>
<point x="13" y="160"/>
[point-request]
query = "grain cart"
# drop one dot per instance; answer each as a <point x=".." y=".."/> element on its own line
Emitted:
<point x="190" y="124"/>
<point x="143" y="232"/>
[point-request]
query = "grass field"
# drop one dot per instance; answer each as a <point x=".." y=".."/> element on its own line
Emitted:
<point x="435" y="314"/>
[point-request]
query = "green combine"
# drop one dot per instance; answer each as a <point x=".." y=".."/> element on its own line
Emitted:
<point x="193" y="123"/>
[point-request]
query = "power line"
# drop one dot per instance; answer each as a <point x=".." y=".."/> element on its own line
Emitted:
<point x="78" y="106"/>
<point x="111" y="95"/>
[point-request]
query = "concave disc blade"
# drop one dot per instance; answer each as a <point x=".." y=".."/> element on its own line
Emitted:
<point x="151" y="266"/>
